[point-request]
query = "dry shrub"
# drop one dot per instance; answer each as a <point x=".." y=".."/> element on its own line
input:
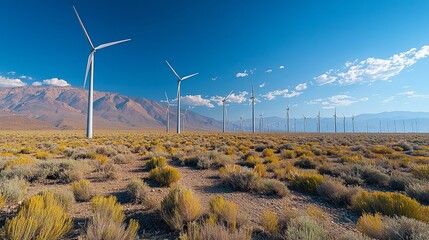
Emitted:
<point x="371" y="225"/>
<point x="399" y="228"/>
<point x="223" y="212"/>
<point x="289" y="172"/>
<point x="287" y="154"/>
<point x="139" y="192"/>
<point x="179" y="207"/>
<point x="101" y="158"/>
<point x="13" y="190"/>
<point x="389" y="204"/>
<point x="382" y="150"/>
<point x="42" y="155"/>
<point x="306" y="163"/>
<point x="418" y="191"/>
<point x="270" y="222"/>
<point x="374" y="177"/>
<point x="107" y="223"/>
<point x="421" y="171"/>
<point x="165" y="176"/>
<point x="307" y="182"/>
<point x="159" y="162"/>
<point x="305" y="228"/>
<point x="271" y="187"/>
<point x="39" y="217"/>
<point x="64" y="197"/>
<point x="2" y="201"/>
<point x="110" y="171"/>
<point x="260" y="170"/>
<point x="82" y="190"/>
<point x="252" y="160"/>
<point x="197" y="231"/>
<point x="335" y="192"/>
<point x="267" y="152"/>
<point x="18" y="162"/>
<point x="123" y="158"/>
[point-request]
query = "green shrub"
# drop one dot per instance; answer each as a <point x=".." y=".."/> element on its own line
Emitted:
<point x="165" y="176"/>
<point x="180" y="206"/>
<point x="304" y="228"/>
<point x="307" y="182"/>
<point x="39" y="217"/>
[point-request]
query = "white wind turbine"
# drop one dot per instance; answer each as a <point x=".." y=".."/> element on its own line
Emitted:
<point x="223" y="106"/>
<point x="261" y="122"/>
<point x="305" y="122"/>
<point x="90" y="66"/>
<point x="241" y="122"/>
<point x="179" y="80"/>
<point x="253" y="109"/>
<point x="168" y="112"/>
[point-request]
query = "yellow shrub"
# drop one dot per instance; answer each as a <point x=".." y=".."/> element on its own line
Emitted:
<point x="252" y="160"/>
<point x="288" y="154"/>
<point x="101" y="158"/>
<point x="307" y="182"/>
<point x="389" y="203"/>
<point x="268" y="152"/>
<point x="289" y="172"/>
<point x="421" y="171"/>
<point x="314" y="212"/>
<point x="2" y="201"/>
<point x="18" y="161"/>
<point x="157" y="162"/>
<point x="82" y="190"/>
<point x="42" y="155"/>
<point x="382" y="150"/>
<point x="180" y="206"/>
<point x="371" y="225"/>
<point x="272" y="159"/>
<point x="260" y="170"/>
<point x="244" y="149"/>
<point x="229" y="169"/>
<point x="39" y="217"/>
<point x="165" y="176"/>
<point x="107" y="222"/>
<point x="270" y="222"/>
<point x="229" y="150"/>
<point x="223" y="211"/>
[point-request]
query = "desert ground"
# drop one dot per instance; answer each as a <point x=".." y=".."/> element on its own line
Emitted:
<point x="205" y="185"/>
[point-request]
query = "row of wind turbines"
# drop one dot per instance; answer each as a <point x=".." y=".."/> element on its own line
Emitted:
<point x="90" y="72"/>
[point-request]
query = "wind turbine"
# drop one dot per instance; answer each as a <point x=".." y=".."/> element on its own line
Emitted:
<point x="241" y="122"/>
<point x="261" y="123"/>
<point x="353" y="123"/>
<point x="90" y="66"/>
<point x="305" y="122"/>
<point x="287" y="118"/>
<point x="184" y="119"/>
<point x="168" y="112"/>
<point x="253" y="109"/>
<point x="344" y="123"/>
<point x="179" y="80"/>
<point x="318" y="123"/>
<point x="335" y="120"/>
<point x="295" y="124"/>
<point x="223" y="105"/>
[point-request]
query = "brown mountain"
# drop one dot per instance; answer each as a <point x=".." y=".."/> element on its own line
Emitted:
<point x="50" y="107"/>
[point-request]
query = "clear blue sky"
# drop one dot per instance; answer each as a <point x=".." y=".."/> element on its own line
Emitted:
<point x="360" y="56"/>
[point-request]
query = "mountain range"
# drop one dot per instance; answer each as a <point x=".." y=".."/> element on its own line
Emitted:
<point x="49" y="107"/>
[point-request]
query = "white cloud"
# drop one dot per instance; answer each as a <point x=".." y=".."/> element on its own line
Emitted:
<point x="56" y="82"/>
<point x="11" y="73"/>
<point x="268" y="70"/>
<point x="408" y="93"/>
<point x="242" y="74"/>
<point x="336" y="101"/>
<point x="281" y="67"/>
<point x="36" y="84"/>
<point x="301" y="87"/>
<point x="388" y="100"/>
<point x="196" y="101"/>
<point x="6" y="82"/>
<point x="214" y="78"/>
<point x="292" y="94"/>
<point x="26" y="77"/>
<point x="262" y="85"/>
<point x="272" y="95"/>
<point x="233" y="98"/>
<point x="373" y="69"/>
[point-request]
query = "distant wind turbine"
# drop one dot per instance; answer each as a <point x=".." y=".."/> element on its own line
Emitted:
<point x="168" y="112"/>
<point x="305" y="122"/>
<point x="353" y="123"/>
<point x="287" y="118"/>
<point x="335" y="120"/>
<point x="90" y="66"/>
<point x="344" y="123"/>
<point x="184" y="119"/>
<point x="318" y="123"/>
<point x="241" y="122"/>
<point x="223" y="106"/>
<point x="253" y="109"/>
<point x="261" y="122"/>
<point x="179" y="81"/>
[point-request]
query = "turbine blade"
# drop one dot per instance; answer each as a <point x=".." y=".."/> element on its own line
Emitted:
<point x="189" y="76"/>
<point x="253" y="92"/>
<point x="228" y="95"/>
<point x="111" y="43"/>
<point x="172" y="69"/>
<point x="88" y="65"/>
<point x="166" y="97"/>
<point x="83" y="27"/>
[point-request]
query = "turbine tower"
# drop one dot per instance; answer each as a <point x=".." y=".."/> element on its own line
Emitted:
<point x="344" y="123"/>
<point x="353" y="123"/>
<point x="305" y="122"/>
<point x="184" y="119"/>
<point x="318" y="123"/>
<point x="168" y="112"/>
<point x="261" y="122"/>
<point x="241" y="122"/>
<point x="287" y="118"/>
<point x="90" y="66"/>
<point x="179" y="80"/>
<point x="252" y="98"/>
<point x="223" y="106"/>
<point x="295" y="124"/>
<point x="335" y="120"/>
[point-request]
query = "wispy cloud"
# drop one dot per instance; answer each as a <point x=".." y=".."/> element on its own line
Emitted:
<point x="281" y="92"/>
<point x="11" y="73"/>
<point x="245" y="73"/>
<point x="336" y="101"/>
<point x="234" y="98"/>
<point x="56" y="82"/>
<point x="301" y="87"/>
<point x="214" y="78"/>
<point x="262" y="85"/>
<point x="6" y="82"/>
<point x="36" y="84"/>
<point x="268" y="70"/>
<point x="373" y="69"/>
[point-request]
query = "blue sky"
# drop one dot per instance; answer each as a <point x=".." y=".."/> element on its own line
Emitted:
<point x="361" y="56"/>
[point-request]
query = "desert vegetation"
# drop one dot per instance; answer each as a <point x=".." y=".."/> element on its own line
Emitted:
<point x="128" y="185"/>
